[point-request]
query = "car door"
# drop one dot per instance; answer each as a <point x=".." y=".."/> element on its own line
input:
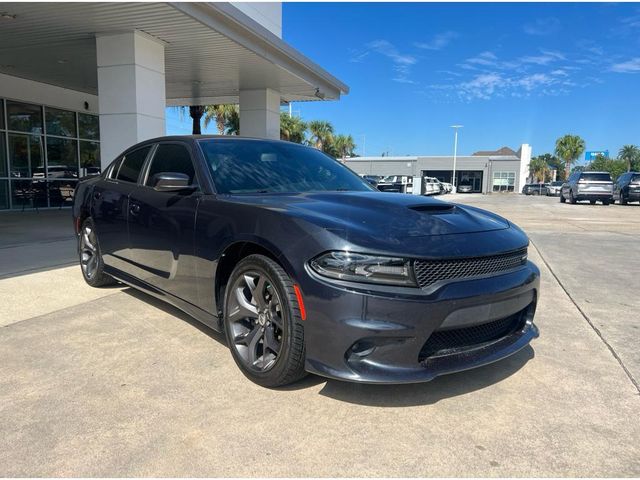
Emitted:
<point x="110" y="207"/>
<point x="161" y="224"/>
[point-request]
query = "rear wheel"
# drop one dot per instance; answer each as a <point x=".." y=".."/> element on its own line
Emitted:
<point x="91" y="262"/>
<point x="606" y="202"/>
<point x="592" y="202"/>
<point x="623" y="199"/>
<point x="562" y="199"/>
<point x="262" y="323"/>
<point x="572" y="199"/>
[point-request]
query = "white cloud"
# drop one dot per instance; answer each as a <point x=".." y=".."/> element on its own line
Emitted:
<point x="542" y="26"/>
<point x="438" y="42"/>
<point x="545" y="58"/>
<point x="401" y="62"/>
<point x="485" y="58"/>
<point x="630" y="66"/>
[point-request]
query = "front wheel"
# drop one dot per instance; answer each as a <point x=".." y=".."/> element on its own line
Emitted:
<point x="623" y="199"/>
<point x="91" y="262"/>
<point x="262" y="323"/>
<point x="572" y="199"/>
<point x="562" y="199"/>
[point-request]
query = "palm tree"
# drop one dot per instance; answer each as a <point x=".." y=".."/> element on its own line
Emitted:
<point x="321" y="134"/>
<point x="227" y="118"/>
<point x="344" y="146"/>
<point x="629" y="153"/>
<point x="569" y="148"/>
<point x="539" y="168"/>
<point x="195" y="112"/>
<point x="292" y="129"/>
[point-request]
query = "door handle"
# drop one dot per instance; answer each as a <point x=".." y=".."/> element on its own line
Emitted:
<point x="134" y="209"/>
<point x="97" y="195"/>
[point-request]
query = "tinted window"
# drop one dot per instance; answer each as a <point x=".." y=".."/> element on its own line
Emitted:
<point x="24" y="117"/>
<point x="635" y="178"/>
<point x="132" y="164"/>
<point x="249" y="166"/>
<point x="596" y="177"/>
<point x="61" y="122"/>
<point x="171" y="158"/>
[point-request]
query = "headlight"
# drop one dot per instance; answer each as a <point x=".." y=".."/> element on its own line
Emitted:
<point x="358" y="267"/>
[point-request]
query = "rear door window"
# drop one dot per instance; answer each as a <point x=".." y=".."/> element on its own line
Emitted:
<point x="132" y="165"/>
<point x="171" y="157"/>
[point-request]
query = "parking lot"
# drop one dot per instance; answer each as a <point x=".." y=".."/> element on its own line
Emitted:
<point x="114" y="383"/>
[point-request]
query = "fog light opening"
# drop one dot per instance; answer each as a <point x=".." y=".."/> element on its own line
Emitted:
<point x="362" y="348"/>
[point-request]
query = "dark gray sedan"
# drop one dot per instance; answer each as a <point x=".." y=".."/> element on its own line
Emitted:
<point x="304" y="265"/>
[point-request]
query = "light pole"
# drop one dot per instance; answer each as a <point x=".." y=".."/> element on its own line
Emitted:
<point x="455" y="155"/>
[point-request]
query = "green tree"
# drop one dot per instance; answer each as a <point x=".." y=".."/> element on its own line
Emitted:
<point x="344" y="146"/>
<point x="569" y="148"/>
<point x="554" y="163"/>
<point x="226" y="118"/>
<point x="321" y="135"/>
<point x="195" y="112"/>
<point x="615" y="167"/>
<point x="292" y="129"/>
<point x="630" y="154"/>
<point x="539" y="168"/>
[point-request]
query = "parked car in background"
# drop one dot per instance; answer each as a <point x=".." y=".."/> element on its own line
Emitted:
<point x="627" y="188"/>
<point x="280" y="248"/>
<point x="448" y="188"/>
<point x="535" y="189"/>
<point x="396" y="183"/>
<point x="464" y="187"/>
<point x="372" y="179"/>
<point x="591" y="186"/>
<point x="554" y="188"/>
<point x="432" y="186"/>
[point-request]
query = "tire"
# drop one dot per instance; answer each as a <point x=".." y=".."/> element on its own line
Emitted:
<point x="562" y="199"/>
<point x="592" y="202"/>
<point x="623" y="200"/>
<point x="91" y="263"/>
<point x="266" y="343"/>
<point x="606" y="202"/>
<point x="572" y="199"/>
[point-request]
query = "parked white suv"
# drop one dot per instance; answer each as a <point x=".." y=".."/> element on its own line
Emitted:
<point x="432" y="186"/>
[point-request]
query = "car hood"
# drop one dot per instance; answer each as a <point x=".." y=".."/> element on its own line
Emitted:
<point x="392" y="215"/>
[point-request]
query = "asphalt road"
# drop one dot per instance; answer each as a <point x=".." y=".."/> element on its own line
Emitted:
<point x="114" y="383"/>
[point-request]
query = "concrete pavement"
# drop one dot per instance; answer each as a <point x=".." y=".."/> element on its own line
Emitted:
<point x="122" y="385"/>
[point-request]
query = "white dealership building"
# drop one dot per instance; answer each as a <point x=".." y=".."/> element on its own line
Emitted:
<point x="80" y="82"/>
<point x="502" y="170"/>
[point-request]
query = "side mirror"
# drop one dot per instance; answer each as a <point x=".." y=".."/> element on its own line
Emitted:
<point x="171" y="182"/>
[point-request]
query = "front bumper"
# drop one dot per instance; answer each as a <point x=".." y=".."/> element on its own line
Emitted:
<point x="370" y="336"/>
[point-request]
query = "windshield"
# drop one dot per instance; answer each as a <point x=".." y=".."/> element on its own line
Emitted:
<point x="556" y="184"/>
<point x="250" y="166"/>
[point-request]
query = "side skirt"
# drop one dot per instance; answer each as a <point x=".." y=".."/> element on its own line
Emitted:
<point x="211" y="321"/>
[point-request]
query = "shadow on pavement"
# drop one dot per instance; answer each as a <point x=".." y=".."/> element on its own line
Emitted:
<point x="176" y="312"/>
<point x="443" y="387"/>
<point x="428" y="393"/>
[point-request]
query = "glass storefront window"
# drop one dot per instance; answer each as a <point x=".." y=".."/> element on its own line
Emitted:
<point x="62" y="158"/>
<point x="24" y="117"/>
<point x="3" y="156"/>
<point x="25" y="156"/>
<point x="89" y="126"/>
<point x="4" y="194"/>
<point x="504" y="181"/>
<point x="60" y="122"/>
<point x="89" y="158"/>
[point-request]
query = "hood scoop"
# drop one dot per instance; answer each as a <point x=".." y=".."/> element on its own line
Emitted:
<point x="434" y="208"/>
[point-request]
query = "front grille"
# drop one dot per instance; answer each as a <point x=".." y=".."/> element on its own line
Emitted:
<point x="449" y="341"/>
<point x="429" y="272"/>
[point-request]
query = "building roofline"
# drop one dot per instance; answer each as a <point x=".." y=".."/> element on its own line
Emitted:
<point x="242" y="29"/>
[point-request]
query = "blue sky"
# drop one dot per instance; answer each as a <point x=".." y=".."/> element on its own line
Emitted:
<point x="510" y="73"/>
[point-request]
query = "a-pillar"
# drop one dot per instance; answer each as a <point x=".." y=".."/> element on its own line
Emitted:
<point x="131" y="91"/>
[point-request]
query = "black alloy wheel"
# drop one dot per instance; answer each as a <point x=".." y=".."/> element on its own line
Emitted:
<point x="262" y="322"/>
<point x="91" y="262"/>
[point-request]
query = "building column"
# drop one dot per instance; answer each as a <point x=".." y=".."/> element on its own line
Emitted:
<point x="260" y="113"/>
<point x="131" y="91"/>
